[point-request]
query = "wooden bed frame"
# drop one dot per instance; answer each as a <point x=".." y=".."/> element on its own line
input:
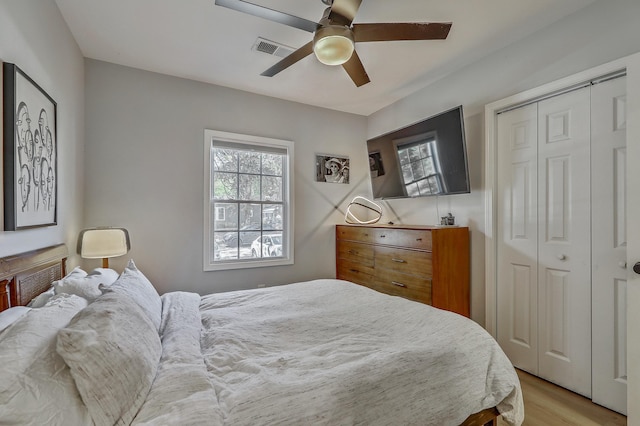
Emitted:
<point x="26" y="275"/>
<point x="488" y="417"/>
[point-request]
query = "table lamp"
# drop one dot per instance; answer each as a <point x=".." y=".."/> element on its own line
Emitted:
<point x="365" y="206"/>
<point x="103" y="242"/>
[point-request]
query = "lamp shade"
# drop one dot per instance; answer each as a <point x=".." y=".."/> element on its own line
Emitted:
<point x="103" y="243"/>
<point x="333" y="45"/>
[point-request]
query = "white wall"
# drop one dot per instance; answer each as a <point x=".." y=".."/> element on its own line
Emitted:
<point x="34" y="36"/>
<point x="144" y="172"/>
<point x="602" y="32"/>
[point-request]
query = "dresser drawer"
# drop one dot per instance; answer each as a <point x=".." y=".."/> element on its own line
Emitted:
<point x="356" y="273"/>
<point x="407" y="286"/>
<point x="410" y="238"/>
<point x="355" y="233"/>
<point x="428" y="264"/>
<point x="357" y="252"/>
<point x="410" y="262"/>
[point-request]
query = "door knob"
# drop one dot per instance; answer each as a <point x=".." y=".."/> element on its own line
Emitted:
<point x="636" y="268"/>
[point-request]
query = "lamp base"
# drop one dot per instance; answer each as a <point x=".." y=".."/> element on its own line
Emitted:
<point x="105" y="262"/>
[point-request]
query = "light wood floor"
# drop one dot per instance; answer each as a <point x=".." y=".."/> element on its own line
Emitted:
<point x="550" y="405"/>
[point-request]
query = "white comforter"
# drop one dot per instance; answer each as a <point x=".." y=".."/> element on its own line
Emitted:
<point x="324" y="352"/>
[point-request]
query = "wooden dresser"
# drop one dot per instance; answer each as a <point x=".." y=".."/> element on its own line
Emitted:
<point x="428" y="264"/>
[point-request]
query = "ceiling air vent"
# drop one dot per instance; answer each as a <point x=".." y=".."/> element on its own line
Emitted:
<point x="271" y="48"/>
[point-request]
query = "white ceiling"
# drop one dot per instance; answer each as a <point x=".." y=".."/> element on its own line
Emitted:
<point x="198" y="40"/>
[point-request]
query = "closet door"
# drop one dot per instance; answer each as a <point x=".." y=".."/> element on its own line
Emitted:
<point x="609" y="230"/>
<point x="517" y="288"/>
<point x="564" y="243"/>
<point x="544" y="250"/>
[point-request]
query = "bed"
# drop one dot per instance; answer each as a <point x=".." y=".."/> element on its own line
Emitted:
<point x="104" y="348"/>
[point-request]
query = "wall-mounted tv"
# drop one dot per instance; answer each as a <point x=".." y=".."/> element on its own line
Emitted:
<point x="423" y="159"/>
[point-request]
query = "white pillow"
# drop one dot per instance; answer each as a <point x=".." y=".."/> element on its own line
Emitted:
<point x="86" y="286"/>
<point x="36" y="387"/>
<point x="77" y="272"/>
<point x="107" y="276"/>
<point x="113" y="351"/>
<point x="40" y="300"/>
<point x="135" y="285"/>
<point x="12" y="315"/>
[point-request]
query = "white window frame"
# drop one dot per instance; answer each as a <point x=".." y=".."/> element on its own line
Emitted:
<point x="287" y="197"/>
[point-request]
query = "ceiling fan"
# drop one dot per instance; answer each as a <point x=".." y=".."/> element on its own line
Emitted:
<point x="334" y="37"/>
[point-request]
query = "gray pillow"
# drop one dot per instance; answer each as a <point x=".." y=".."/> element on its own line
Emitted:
<point x="112" y="350"/>
<point x="135" y="285"/>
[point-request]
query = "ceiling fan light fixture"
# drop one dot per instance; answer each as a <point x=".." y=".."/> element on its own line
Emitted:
<point x="333" y="44"/>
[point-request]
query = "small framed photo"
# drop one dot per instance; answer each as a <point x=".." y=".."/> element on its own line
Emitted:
<point x="332" y="168"/>
<point x="375" y="164"/>
<point x="30" y="152"/>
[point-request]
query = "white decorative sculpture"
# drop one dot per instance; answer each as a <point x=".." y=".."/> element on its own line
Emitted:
<point x="366" y="204"/>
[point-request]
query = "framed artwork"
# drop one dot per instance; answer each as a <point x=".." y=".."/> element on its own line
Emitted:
<point x="30" y="152"/>
<point x="375" y="164"/>
<point x="332" y="168"/>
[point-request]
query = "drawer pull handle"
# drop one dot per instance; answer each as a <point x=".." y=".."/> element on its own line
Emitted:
<point x="396" y="283"/>
<point x="393" y="259"/>
<point x="353" y="252"/>
<point x="383" y="236"/>
<point x="354" y="270"/>
<point x="418" y="239"/>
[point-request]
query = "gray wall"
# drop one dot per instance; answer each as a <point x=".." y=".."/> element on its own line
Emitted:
<point x="34" y="36"/>
<point x="144" y="143"/>
<point x="600" y="33"/>
<point x="144" y="172"/>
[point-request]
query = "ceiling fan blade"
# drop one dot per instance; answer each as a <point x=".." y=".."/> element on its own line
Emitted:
<point x="356" y="70"/>
<point x="301" y="53"/>
<point x="270" y="14"/>
<point x="401" y="31"/>
<point x="344" y="11"/>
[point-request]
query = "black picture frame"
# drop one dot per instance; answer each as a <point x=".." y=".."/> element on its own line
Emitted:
<point x="376" y="168"/>
<point x="30" y="158"/>
<point x="332" y="168"/>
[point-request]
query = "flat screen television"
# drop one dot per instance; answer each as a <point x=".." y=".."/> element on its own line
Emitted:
<point x="423" y="159"/>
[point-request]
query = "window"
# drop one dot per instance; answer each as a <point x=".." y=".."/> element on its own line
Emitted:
<point x="418" y="157"/>
<point x="248" y="215"/>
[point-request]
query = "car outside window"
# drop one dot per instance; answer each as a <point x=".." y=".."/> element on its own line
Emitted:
<point x="248" y="215"/>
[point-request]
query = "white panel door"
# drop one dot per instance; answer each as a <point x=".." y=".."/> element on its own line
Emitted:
<point x="633" y="240"/>
<point x="609" y="252"/>
<point x="517" y="314"/>
<point x="564" y="243"/>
